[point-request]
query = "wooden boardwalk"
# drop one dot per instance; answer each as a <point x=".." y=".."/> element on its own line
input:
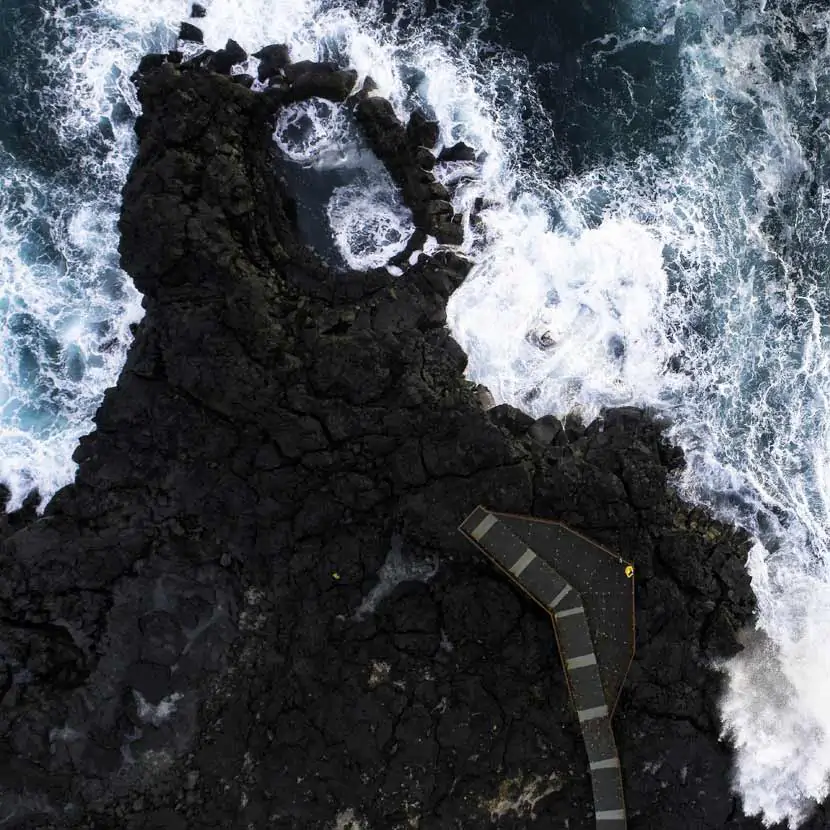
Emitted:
<point x="589" y="594"/>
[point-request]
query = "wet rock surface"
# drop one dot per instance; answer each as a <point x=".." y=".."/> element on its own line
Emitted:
<point x="409" y="163"/>
<point x="187" y="31"/>
<point x="272" y="60"/>
<point x="253" y="608"/>
<point x="223" y="60"/>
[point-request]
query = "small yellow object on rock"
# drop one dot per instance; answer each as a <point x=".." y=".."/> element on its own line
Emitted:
<point x="335" y="575"/>
<point x="629" y="571"/>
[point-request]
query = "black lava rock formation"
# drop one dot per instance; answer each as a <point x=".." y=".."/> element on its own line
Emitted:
<point x="400" y="150"/>
<point x="224" y="59"/>
<point x="458" y="152"/>
<point x="252" y="609"/>
<point x="272" y="60"/>
<point x="187" y="31"/>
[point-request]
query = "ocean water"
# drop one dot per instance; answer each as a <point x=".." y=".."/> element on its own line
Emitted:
<point x="654" y="233"/>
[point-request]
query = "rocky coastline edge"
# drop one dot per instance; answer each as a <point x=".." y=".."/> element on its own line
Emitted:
<point x="252" y="608"/>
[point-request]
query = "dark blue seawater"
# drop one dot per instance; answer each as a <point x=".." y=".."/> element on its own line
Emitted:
<point x="654" y="233"/>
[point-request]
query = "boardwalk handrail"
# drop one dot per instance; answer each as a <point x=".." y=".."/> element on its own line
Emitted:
<point x="543" y="584"/>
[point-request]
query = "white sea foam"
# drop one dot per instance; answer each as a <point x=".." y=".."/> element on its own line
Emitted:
<point x="313" y="132"/>
<point x="369" y="223"/>
<point x="65" y="310"/>
<point x="580" y="317"/>
<point x="583" y="295"/>
<point x="66" y="306"/>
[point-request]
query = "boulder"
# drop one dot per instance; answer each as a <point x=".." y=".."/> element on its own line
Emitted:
<point x="149" y="62"/>
<point x="367" y="88"/>
<point x="273" y="60"/>
<point x="424" y="159"/>
<point x="513" y="420"/>
<point x="458" y="152"/>
<point x="319" y="81"/>
<point x="447" y="230"/>
<point x="224" y="59"/>
<point x="547" y="430"/>
<point x="294" y="70"/>
<point x="189" y="32"/>
<point x="202" y="60"/>
<point x="421" y="131"/>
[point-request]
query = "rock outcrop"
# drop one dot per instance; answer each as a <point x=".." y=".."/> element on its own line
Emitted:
<point x="253" y="608"/>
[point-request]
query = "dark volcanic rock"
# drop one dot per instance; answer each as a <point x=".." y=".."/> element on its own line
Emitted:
<point x="187" y="31"/>
<point x="202" y="60"/>
<point x="421" y="132"/>
<point x="547" y="430"/>
<point x="224" y="59"/>
<point x="395" y="146"/>
<point x="273" y="59"/>
<point x="367" y="88"/>
<point x="197" y="10"/>
<point x="458" y="152"/>
<point x="307" y="79"/>
<point x="253" y="607"/>
<point x="295" y="71"/>
<point x="513" y="420"/>
<point x="149" y="62"/>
